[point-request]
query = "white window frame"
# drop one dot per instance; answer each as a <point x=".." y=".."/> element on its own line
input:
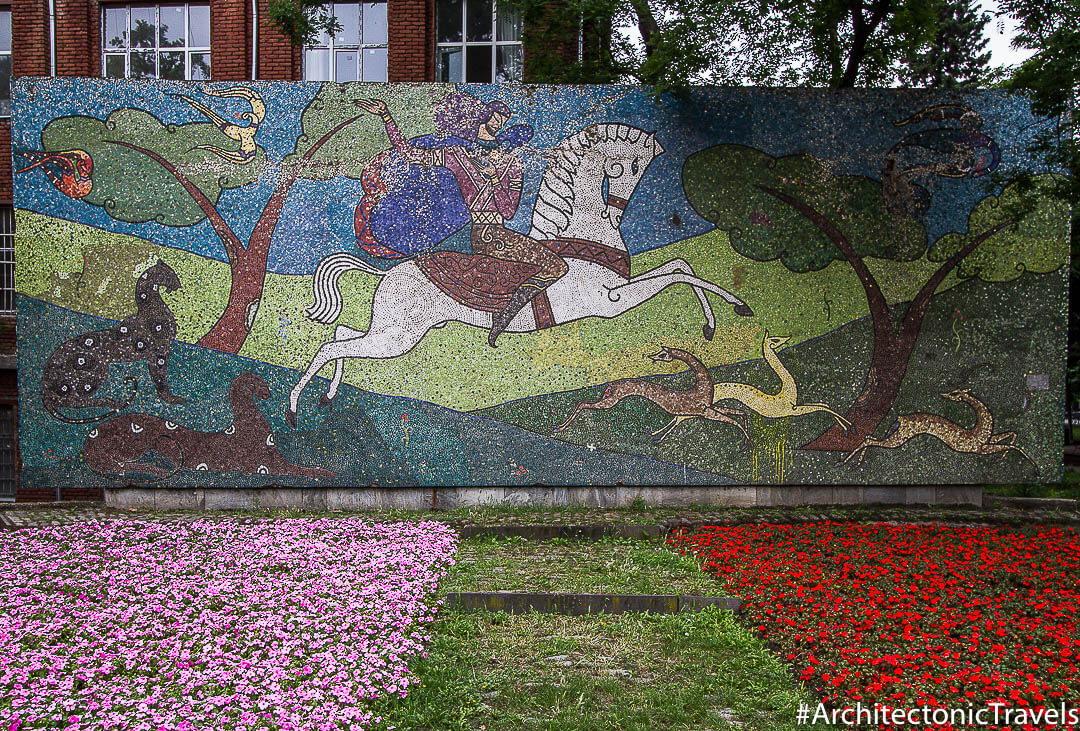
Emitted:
<point x="464" y="45"/>
<point x="332" y="45"/>
<point x="5" y="108"/>
<point x="127" y="49"/>
<point x="7" y="260"/>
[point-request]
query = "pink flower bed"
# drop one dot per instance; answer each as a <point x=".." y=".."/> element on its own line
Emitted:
<point x="288" y="624"/>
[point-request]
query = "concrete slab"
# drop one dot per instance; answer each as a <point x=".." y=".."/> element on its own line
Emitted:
<point x="448" y="498"/>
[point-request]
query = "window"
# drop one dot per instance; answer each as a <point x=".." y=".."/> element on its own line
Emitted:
<point x="5" y="62"/>
<point x="357" y="53"/>
<point x="156" y="41"/>
<point x="7" y="259"/>
<point x="478" y="41"/>
<point x="7" y="452"/>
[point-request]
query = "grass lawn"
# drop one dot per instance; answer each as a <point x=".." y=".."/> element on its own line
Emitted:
<point x="633" y="671"/>
<point x="1069" y="488"/>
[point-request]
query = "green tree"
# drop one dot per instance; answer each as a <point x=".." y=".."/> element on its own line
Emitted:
<point x="797" y="210"/>
<point x="957" y="55"/>
<point x="836" y="43"/>
<point x="1051" y="79"/>
<point x="145" y="170"/>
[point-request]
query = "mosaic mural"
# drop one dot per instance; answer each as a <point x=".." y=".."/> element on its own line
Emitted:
<point x="367" y="284"/>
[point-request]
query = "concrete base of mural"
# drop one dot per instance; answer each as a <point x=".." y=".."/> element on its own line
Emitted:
<point x="423" y="498"/>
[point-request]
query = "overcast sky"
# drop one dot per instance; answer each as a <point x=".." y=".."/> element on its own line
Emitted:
<point x="1001" y="31"/>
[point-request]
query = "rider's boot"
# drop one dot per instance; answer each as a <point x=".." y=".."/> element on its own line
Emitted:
<point x="522" y="296"/>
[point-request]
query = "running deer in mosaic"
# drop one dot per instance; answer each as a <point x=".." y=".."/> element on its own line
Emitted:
<point x="784" y="402"/>
<point x="979" y="439"/>
<point x="682" y="405"/>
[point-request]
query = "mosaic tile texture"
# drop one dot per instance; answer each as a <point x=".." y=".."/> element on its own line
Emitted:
<point x="243" y="284"/>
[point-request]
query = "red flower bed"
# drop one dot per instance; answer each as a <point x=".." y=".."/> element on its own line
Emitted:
<point x="911" y="615"/>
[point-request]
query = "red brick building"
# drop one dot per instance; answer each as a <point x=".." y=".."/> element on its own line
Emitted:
<point x="387" y="40"/>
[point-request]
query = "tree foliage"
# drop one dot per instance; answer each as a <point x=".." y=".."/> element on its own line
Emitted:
<point x="735" y="188"/>
<point x="303" y="21"/>
<point x="131" y="186"/>
<point x="347" y="154"/>
<point x="957" y="56"/>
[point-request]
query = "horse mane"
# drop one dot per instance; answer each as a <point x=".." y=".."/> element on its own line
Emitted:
<point x="555" y="200"/>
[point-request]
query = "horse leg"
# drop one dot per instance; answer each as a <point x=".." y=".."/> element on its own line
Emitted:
<point x="341" y="332"/>
<point x="627" y="296"/>
<point x="680" y="265"/>
<point x="387" y="343"/>
<point x="327" y="399"/>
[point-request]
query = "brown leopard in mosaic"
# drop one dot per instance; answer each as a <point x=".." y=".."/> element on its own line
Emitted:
<point x="116" y="447"/>
<point x="77" y="369"/>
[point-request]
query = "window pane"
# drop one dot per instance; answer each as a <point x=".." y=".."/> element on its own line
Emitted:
<point x="115" y="27"/>
<point x="323" y="13"/>
<point x="478" y="21"/>
<point x="317" y="65"/>
<point x="171" y="29"/>
<point x="374" y="64"/>
<point x="114" y="66"/>
<point x="448" y="22"/>
<point x="199" y="26"/>
<point x="450" y="64"/>
<point x="345" y="66"/>
<point x="507" y="64"/>
<point x="478" y="65"/>
<point x="507" y="23"/>
<point x="200" y="67"/>
<point x="5" y="85"/>
<point x="143" y="27"/>
<point x="348" y="15"/>
<point x="171" y="65"/>
<point x="374" y="23"/>
<point x="5" y="31"/>
<point x="142" y="66"/>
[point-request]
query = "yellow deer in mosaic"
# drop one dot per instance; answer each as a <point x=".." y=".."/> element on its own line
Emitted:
<point x="784" y="402"/>
<point x="979" y="439"/>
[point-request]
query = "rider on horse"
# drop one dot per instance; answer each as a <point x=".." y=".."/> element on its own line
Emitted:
<point x="490" y="181"/>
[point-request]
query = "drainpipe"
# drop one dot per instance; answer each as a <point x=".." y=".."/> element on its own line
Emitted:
<point x="254" y="39"/>
<point x="52" y="37"/>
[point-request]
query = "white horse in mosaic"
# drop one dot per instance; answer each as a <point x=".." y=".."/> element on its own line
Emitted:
<point x="571" y="208"/>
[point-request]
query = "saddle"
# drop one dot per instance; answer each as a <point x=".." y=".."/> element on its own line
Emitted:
<point x="486" y="283"/>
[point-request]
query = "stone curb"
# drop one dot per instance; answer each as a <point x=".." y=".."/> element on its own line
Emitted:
<point x="581" y="604"/>
<point x="1031" y="503"/>
<point x="53" y="505"/>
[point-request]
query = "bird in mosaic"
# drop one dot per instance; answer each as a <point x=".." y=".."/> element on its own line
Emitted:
<point x="244" y="134"/>
<point x="69" y="170"/>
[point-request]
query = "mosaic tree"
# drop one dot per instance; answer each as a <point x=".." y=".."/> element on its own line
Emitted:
<point x="797" y="210"/>
<point x="148" y="170"/>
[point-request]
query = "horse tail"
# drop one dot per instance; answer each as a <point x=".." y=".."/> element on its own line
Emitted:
<point x="327" y="306"/>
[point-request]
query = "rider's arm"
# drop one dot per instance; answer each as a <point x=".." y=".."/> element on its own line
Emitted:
<point x="412" y="153"/>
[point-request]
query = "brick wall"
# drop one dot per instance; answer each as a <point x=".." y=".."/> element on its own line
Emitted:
<point x="30" y="38"/>
<point x="411" y="40"/>
<point x="5" y="163"/>
<point x="230" y="45"/>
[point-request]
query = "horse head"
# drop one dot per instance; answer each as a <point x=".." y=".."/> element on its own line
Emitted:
<point x="629" y="151"/>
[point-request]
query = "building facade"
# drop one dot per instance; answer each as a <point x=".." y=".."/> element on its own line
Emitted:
<point x="225" y="40"/>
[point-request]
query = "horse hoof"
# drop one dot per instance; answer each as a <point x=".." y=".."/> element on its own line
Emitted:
<point x="325" y="401"/>
<point x="708" y="330"/>
<point x="744" y="310"/>
<point x="290" y="418"/>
